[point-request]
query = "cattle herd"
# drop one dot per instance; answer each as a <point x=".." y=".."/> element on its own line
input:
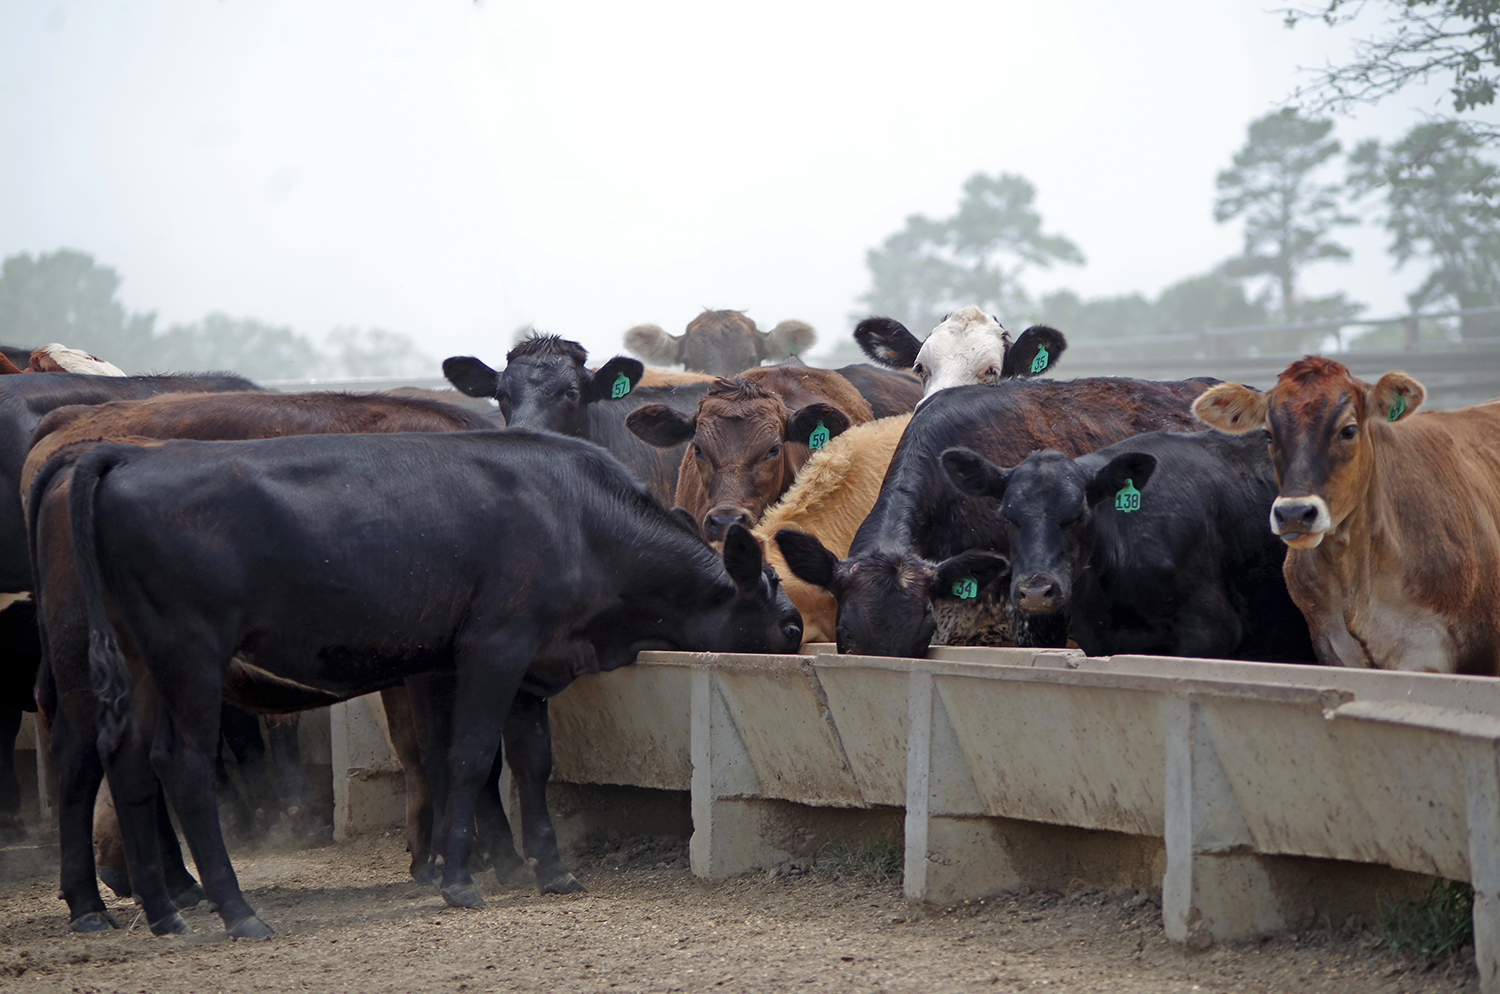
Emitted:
<point x="178" y="547"/>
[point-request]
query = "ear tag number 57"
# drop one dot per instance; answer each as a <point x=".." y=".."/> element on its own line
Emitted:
<point x="620" y="388"/>
<point x="1128" y="498"/>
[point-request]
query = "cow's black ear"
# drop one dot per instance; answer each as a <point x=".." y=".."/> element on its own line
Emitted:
<point x="806" y="557"/>
<point x="887" y="341"/>
<point x="821" y="419"/>
<point x="742" y="559"/>
<point x="968" y="575"/>
<point x="471" y="376"/>
<point x="1125" y="471"/>
<point x="613" y="380"/>
<point x="686" y="519"/>
<point x="660" y="425"/>
<point x="1034" y="352"/>
<point x="973" y="474"/>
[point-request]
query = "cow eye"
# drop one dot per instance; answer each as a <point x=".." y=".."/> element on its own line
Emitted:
<point x="920" y="370"/>
<point x="697" y="451"/>
<point x="1349" y="431"/>
<point x="991" y="373"/>
<point x="773" y="451"/>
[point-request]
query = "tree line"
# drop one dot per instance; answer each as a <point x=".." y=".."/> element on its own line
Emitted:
<point x="66" y="296"/>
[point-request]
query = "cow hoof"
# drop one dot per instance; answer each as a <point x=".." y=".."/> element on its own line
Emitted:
<point x="190" y="898"/>
<point x="563" y="883"/>
<point x="462" y="895"/>
<point x="250" y="927"/>
<point x="171" y="925"/>
<point x="94" y="921"/>
<point x="116" y="879"/>
<point x="425" y="874"/>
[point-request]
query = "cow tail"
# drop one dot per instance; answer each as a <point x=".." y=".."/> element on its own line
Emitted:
<point x="107" y="670"/>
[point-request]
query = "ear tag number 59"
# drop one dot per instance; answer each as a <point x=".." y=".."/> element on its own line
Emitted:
<point x="1128" y="498"/>
<point x="620" y="388"/>
<point x="818" y="438"/>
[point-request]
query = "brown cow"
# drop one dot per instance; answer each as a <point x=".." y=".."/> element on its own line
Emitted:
<point x="720" y="342"/>
<point x="750" y="435"/>
<point x="1392" y="521"/>
<point x="833" y="493"/>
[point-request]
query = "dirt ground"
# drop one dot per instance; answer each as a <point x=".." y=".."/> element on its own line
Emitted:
<point x="350" y="920"/>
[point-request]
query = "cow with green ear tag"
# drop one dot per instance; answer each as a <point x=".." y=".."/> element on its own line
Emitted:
<point x="1391" y="517"/>
<point x="1149" y="546"/>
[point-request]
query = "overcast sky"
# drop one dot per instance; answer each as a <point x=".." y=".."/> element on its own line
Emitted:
<point x="451" y="170"/>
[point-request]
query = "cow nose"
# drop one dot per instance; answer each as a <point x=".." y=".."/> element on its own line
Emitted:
<point x="1298" y="515"/>
<point x="1037" y="594"/>
<point x="718" y="522"/>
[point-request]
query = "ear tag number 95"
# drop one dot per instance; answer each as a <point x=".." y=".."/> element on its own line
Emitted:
<point x="1128" y="498"/>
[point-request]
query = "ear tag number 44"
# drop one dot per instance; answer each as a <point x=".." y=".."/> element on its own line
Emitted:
<point x="1128" y="498"/>
<point x="966" y="588"/>
<point x="1040" y="362"/>
<point x="818" y="438"/>
<point x="621" y="387"/>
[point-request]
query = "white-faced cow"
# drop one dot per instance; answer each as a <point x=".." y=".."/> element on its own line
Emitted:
<point x="720" y="342"/>
<point x="969" y="346"/>
<point x="1392" y="518"/>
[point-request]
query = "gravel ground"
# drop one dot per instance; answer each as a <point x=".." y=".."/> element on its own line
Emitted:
<point x="350" y="920"/>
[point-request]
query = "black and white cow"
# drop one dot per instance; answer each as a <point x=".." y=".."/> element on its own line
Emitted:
<point x="1151" y="545"/>
<point x="300" y="571"/>
<point x="969" y="346"/>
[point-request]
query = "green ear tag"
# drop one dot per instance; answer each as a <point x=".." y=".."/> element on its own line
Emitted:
<point x="1040" y="362"/>
<point x="1398" y="408"/>
<point x="621" y="387"/>
<point x="1128" y="499"/>
<point x="818" y="438"/>
<point x="966" y="588"/>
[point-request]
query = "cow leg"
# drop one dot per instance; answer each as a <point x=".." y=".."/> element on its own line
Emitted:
<point x="11" y="828"/>
<point x="495" y="838"/>
<point x="402" y="723"/>
<point x="182" y="753"/>
<point x="240" y="730"/>
<point x="79" y="773"/>
<point x="488" y="675"/>
<point x="294" y="793"/>
<point x="528" y="748"/>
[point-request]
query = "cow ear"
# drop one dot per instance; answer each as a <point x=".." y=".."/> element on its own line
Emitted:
<point x="1130" y="469"/>
<point x="613" y="380"/>
<point x="742" y="559"/>
<point x="654" y="345"/>
<point x="973" y="474"/>
<point x="886" y="341"/>
<point x="1396" y="396"/>
<point x="968" y="574"/>
<point x="801" y="426"/>
<point x="1034" y="352"/>
<point x="786" y="340"/>
<point x="471" y="376"/>
<point x="1232" y="408"/>
<point x="685" y="518"/>
<point x="660" y="425"/>
<point x="806" y="557"/>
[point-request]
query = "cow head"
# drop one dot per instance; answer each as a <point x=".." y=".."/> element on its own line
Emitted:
<point x="969" y="346"/>
<point x="757" y="617"/>
<point x="1323" y="423"/>
<point x="885" y="598"/>
<point x="545" y="385"/>
<point x="1048" y="505"/>
<point x="746" y="449"/>
<point x="720" y="342"/>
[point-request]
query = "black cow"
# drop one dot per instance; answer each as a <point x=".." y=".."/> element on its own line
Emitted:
<point x="890" y="392"/>
<point x="911" y="550"/>
<point x="545" y="386"/>
<point x="24" y="401"/>
<point x="1182" y="567"/>
<point x="299" y="571"/>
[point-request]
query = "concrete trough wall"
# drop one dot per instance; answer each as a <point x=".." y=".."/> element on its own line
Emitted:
<point x="1212" y="780"/>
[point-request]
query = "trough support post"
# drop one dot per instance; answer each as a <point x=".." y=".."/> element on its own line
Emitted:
<point x="368" y="792"/>
<point x="953" y="851"/>
<point x="1215" y="887"/>
<point x="728" y="830"/>
<point x="1484" y="862"/>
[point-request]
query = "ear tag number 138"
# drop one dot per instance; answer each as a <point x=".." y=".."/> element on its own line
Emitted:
<point x="818" y="438"/>
<point x="1128" y="498"/>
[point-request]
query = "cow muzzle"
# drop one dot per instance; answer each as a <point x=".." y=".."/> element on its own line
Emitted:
<point x="1036" y="594"/>
<point x="716" y="523"/>
<point x="1301" y="522"/>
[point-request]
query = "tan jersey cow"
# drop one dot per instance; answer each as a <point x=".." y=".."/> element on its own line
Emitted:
<point x="1392" y="518"/>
